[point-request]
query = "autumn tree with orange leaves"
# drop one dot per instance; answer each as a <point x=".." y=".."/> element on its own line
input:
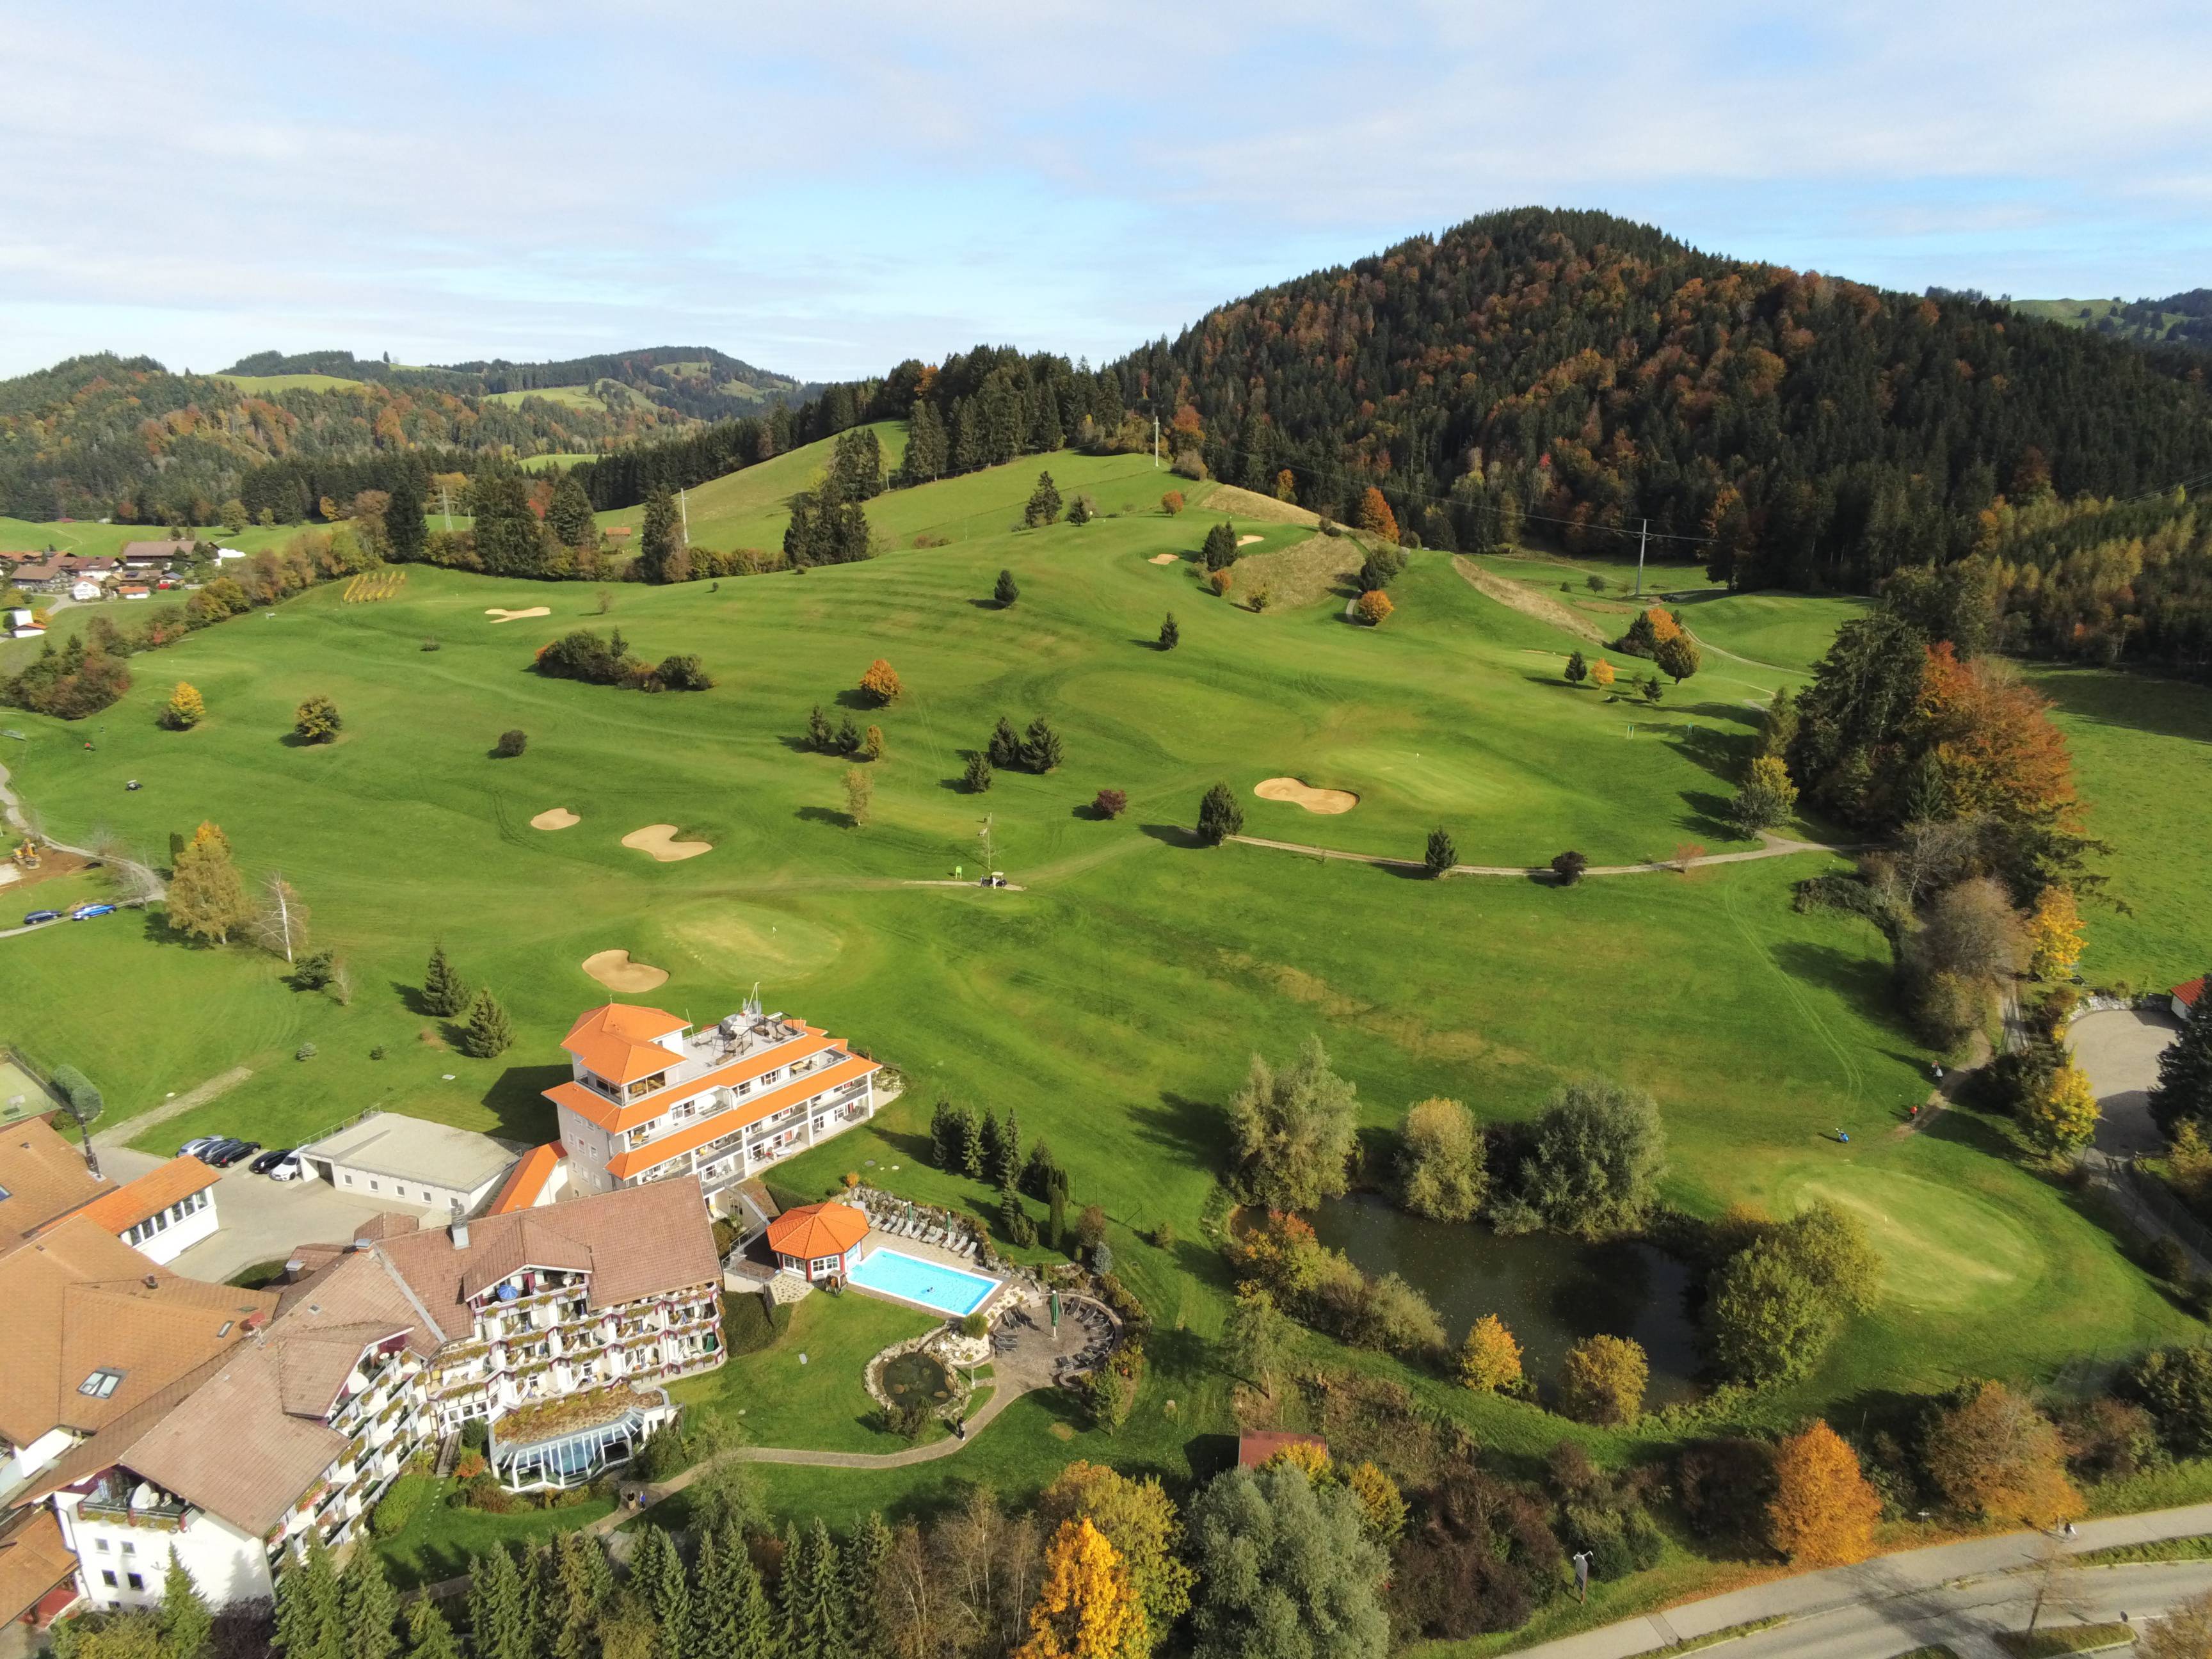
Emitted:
<point x="1823" y="1511"/>
<point x="880" y="684"/>
<point x="1994" y="748"/>
<point x="1376" y="517"/>
<point x="1991" y="1452"/>
<point x="1087" y="1608"/>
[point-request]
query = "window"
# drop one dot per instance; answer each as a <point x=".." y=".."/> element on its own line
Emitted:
<point x="136" y="1582"/>
<point x="100" y="1385"/>
<point x="349" y="1180"/>
<point x="107" y="1577"/>
<point x="101" y="1544"/>
<point x="372" y="1186"/>
<point x="129" y="1549"/>
<point x="225" y="1331"/>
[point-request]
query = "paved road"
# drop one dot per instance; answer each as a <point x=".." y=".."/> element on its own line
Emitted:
<point x="1878" y="1608"/>
<point x="1776" y="847"/>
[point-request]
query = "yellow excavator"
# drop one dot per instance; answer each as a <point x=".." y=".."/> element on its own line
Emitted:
<point x="26" y="856"/>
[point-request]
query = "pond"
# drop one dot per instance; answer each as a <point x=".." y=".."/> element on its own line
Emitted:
<point x="916" y="1379"/>
<point x="1551" y="1292"/>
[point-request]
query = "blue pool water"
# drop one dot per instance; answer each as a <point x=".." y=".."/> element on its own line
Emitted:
<point x="948" y="1290"/>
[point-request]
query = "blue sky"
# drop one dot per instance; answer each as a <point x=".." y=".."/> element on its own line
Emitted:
<point x="825" y="189"/>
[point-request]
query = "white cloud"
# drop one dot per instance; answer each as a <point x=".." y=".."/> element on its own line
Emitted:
<point x="826" y="188"/>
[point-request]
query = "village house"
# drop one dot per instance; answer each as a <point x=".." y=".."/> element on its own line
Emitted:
<point x="2185" y="997"/>
<point x="23" y="623"/>
<point x="164" y="1212"/>
<point x="43" y="1180"/>
<point x="649" y="1098"/>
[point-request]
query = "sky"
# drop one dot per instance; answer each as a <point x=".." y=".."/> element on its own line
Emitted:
<point x="825" y="189"/>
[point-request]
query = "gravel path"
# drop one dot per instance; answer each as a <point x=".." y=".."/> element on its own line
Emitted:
<point x="1776" y="847"/>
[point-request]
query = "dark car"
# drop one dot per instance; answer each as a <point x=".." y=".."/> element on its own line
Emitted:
<point x="227" y="1155"/>
<point x="203" y="1143"/>
<point x="38" y="916"/>
<point x="217" y="1148"/>
<point x="269" y="1160"/>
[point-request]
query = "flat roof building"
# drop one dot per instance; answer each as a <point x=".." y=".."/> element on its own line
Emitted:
<point x="393" y="1158"/>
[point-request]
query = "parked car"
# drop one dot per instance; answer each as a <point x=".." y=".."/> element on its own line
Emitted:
<point x="226" y="1156"/>
<point x="217" y="1149"/>
<point x="269" y="1159"/>
<point x="38" y="916"/>
<point x="87" y="912"/>
<point x="287" y="1168"/>
<point x="201" y="1146"/>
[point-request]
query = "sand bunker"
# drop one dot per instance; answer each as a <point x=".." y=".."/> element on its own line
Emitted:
<point x="559" y="817"/>
<point x="1245" y="541"/>
<point x="1165" y="558"/>
<point x="659" y="839"/>
<point x="499" y="616"/>
<point x="615" y="970"/>
<point x="1330" y="801"/>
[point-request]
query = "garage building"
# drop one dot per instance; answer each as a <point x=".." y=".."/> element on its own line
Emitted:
<point x="392" y="1159"/>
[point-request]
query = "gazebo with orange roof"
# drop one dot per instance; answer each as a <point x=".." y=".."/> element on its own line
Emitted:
<point x="817" y="1242"/>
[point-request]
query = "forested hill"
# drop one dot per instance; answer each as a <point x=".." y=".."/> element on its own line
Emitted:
<point x="106" y="437"/>
<point x="697" y="382"/>
<point x="1578" y="368"/>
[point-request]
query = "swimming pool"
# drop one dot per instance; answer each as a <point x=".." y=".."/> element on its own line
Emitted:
<point x="909" y="1278"/>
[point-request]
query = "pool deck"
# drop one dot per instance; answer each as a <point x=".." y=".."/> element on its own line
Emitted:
<point x="936" y="1255"/>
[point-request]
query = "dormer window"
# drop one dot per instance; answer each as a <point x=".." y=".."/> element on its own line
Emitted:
<point x="100" y="1385"/>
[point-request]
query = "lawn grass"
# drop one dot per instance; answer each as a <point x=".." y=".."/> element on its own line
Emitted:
<point x="2196" y="1547"/>
<point x="2055" y="1639"/>
<point x="1114" y="1001"/>
<point x="261" y="384"/>
<point x="560" y="458"/>
<point x="776" y="1398"/>
<point x="441" y="1536"/>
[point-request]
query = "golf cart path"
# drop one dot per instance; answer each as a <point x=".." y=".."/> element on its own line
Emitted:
<point x="1902" y="1591"/>
<point x="1775" y="847"/>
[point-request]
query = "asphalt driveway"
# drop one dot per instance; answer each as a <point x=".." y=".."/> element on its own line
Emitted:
<point x="2118" y="1048"/>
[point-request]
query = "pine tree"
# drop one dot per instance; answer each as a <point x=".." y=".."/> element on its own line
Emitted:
<point x="975" y="777"/>
<point x="1041" y="748"/>
<point x="2185" y="1070"/>
<point x="1038" y="1169"/>
<point x="443" y="992"/>
<point x="184" y="1623"/>
<point x="428" y="1635"/>
<point x="1577" y="668"/>
<point x="403" y="529"/>
<point x="993" y="1147"/>
<point x="848" y="736"/>
<point x="1014" y="1224"/>
<point x="1219" y="550"/>
<point x="1044" y="502"/>
<point x="569" y="512"/>
<point x="1055" y="1210"/>
<point x="310" y="1611"/>
<point x="1170" y="633"/>
<point x="1441" y="854"/>
<point x="656" y="1573"/>
<point x="815" y="1622"/>
<point x="1004" y="591"/>
<point x="486" y="1034"/>
<point x="499" y="1625"/>
<point x="1219" y="817"/>
<point x="580" y="1583"/>
<point x="206" y="897"/>
<point x="819" y="737"/>
<point x="371" y="1608"/>
<point x="658" y="541"/>
<point x="944" y="1134"/>
<point x="1005" y="749"/>
<point x="971" y="1143"/>
<point x="1009" y="1167"/>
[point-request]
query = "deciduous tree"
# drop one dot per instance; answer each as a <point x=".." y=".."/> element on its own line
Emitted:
<point x="1288" y="1570"/>
<point x="1991" y="1453"/>
<point x="206" y="897"/>
<point x="2054" y="933"/>
<point x="1603" y="1379"/>
<point x="1767" y="797"/>
<point x="1294" y="1131"/>
<point x="1490" y="1359"/>
<point x="1442" y="1167"/>
<point x="1679" y="656"/>
<point x="1823" y="1511"/>
<point x="2061" y="1116"/>
<point x="1171" y="503"/>
<point x="1374" y="607"/>
<point x="1088" y="1606"/>
<point x="1252" y="1336"/>
<point x="317" y="720"/>
<point x="185" y="709"/>
<point x="860" y="797"/>
<point x="1376" y="517"/>
<point x="880" y="684"/>
<point x="1596" y="1157"/>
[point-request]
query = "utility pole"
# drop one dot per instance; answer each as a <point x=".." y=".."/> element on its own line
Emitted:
<point x="1155" y="441"/>
<point x="986" y="833"/>
<point x="446" y="496"/>
<point x="684" y="508"/>
<point x="1641" y="536"/>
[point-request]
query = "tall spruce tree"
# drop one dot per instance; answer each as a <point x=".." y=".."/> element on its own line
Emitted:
<point x="403" y="527"/>
<point x="1041" y="748"/>
<point x="185" y="1624"/>
<point x="569" y="512"/>
<point x="1004" y="748"/>
<point x="370" y="1606"/>
<point x="814" y="1615"/>
<point x="428" y="1635"/>
<point x="656" y="1573"/>
<point x="659" y="538"/>
<point x="866" y="1552"/>
<point x="1044" y="502"/>
<point x="310" y="1607"/>
<point x="992" y="1145"/>
<point x="499" y="1616"/>
<point x="578" y="1583"/>
<point x="487" y="1034"/>
<point x="1171" y="633"/>
<point x="2185" y="1070"/>
<point x="443" y="992"/>
<point x="1009" y="1150"/>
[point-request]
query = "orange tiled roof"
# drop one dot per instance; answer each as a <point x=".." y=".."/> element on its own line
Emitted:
<point x="747" y="1113"/>
<point x="816" y="1230"/>
<point x="33" y="1561"/>
<point x="620" y="1041"/>
<point x="2190" y="990"/>
<point x="44" y="1178"/>
<point x="596" y="1109"/>
<point x="528" y="1180"/>
<point x="151" y="1193"/>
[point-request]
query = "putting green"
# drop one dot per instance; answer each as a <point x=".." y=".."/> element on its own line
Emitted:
<point x="736" y="942"/>
<point x="1941" y="1249"/>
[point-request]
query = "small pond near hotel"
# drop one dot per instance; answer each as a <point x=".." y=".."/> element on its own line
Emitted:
<point x="1551" y="1291"/>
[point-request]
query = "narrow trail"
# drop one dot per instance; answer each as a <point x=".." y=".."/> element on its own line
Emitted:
<point x="1776" y="847"/>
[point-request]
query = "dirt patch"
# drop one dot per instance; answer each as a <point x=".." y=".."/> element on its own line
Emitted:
<point x="1329" y="801"/>
<point x="1301" y="575"/>
<point x="1245" y="541"/>
<point x="615" y="970"/>
<point x="1163" y="558"/>
<point x="555" y="817"/>
<point x="499" y="616"/>
<point x="659" y="839"/>
<point x="1516" y="596"/>
<point x="53" y="864"/>
<point x="1246" y="504"/>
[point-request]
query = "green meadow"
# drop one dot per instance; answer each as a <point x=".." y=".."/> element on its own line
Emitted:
<point x="1114" y="999"/>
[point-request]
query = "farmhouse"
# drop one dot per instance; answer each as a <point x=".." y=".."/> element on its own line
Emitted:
<point x="410" y="1160"/>
<point x="2186" y="996"/>
<point x="649" y="1098"/>
<point x="153" y="555"/>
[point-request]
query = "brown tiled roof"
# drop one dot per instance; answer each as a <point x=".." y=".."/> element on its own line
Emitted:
<point x="33" y="1560"/>
<point x="634" y="1241"/>
<point x="123" y="1208"/>
<point x="44" y="1178"/>
<point x="1256" y="1447"/>
<point x="163" y="549"/>
<point x="78" y="1299"/>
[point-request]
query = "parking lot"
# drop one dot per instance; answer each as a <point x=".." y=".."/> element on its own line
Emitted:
<point x="258" y="1219"/>
<point x="2118" y="1048"/>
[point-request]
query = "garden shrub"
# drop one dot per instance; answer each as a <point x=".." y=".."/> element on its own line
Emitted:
<point x="398" y="1504"/>
<point x="747" y="1327"/>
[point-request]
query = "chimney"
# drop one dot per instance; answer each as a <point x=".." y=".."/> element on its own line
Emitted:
<point x="360" y="1243"/>
<point x="460" y="1231"/>
<point x="151" y="1282"/>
